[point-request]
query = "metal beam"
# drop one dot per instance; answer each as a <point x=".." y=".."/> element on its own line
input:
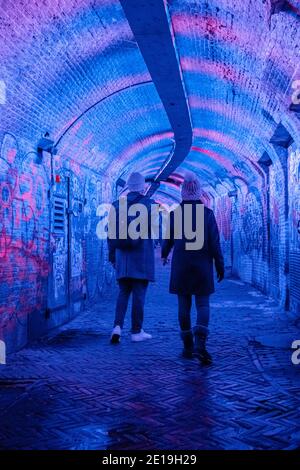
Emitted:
<point x="150" y="26"/>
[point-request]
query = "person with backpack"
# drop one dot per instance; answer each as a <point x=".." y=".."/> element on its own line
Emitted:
<point x="133" y="260"/>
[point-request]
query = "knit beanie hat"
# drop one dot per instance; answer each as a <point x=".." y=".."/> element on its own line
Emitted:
<point x="136" y="182"/>
<point x="191" y="188"/>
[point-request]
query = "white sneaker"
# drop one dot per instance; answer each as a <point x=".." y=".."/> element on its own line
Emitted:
<point x="142" y="336"/>
<point x="115" y="335"/>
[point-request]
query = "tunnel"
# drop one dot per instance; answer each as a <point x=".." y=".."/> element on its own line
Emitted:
<point x="92" y="91"/>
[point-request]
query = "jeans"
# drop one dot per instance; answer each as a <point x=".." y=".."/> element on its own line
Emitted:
<point x="184" y="311"/>
<point x="138" y="288"/>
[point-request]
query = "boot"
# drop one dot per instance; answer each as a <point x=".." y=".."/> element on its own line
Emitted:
<point x="188" y="343"/>
<point x="115" y="337"/>
<point x="200" y="351"/>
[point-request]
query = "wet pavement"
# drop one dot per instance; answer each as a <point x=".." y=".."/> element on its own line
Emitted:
<point x="73" y="390"/>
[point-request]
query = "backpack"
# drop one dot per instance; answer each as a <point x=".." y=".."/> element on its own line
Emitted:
<point x="127" y="244"/>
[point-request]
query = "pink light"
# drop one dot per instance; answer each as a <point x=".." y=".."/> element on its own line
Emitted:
<point x="216" y="157"/>
<point x="135" y="148"/>
<point x="217" y="69"/>
<point x="238" y="114"/>
<point x="224" y="139"/>
<point x="244" y="37"/>
<point x="177" y="177"/>
<point x="223" y="72"/>
<point x="171" y="185"/>
<point x="70" y="9"/>
<point x="199" y="26"/>
<point x="201" y="166"/>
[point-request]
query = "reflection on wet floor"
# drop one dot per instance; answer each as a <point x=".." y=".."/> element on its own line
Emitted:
<point x="73" y="390"/>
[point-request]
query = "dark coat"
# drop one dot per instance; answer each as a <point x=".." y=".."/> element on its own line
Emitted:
<point x="136" y="263"/>
<point x="192" y="270"/>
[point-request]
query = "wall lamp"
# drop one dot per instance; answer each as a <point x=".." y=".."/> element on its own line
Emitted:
<point x="45" y="144"/>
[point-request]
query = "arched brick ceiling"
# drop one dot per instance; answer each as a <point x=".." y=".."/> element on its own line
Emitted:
<point x="73" y="58"/>
<point x="238" y="62"/>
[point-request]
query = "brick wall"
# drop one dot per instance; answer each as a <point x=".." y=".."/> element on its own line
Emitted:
<point x="24" y="225"/>
<point x="71" y="68"/>
<point x="223" y="213"/>
<point x="28" y="242"/>
<point x="294" y="228"/>
<point x="277" y="233"/>
<point x="265" y="230"/>
<point x="249" y="237"/>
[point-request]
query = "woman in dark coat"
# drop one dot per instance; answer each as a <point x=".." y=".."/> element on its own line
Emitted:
<point x="192" y="268"/>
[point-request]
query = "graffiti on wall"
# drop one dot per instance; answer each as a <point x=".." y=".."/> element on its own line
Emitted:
<point x="249" y="234"/>
<point x="294" y="193"/>
<point x="59" y="267"/>
<point x="277" y="232"/>
<point x="77" y="240"/>
<point x="24" y="233"/>
<point x="101" y="274"/>
<point x="31" y="253"/>
<point x="276" y="202"/>
<point x="252" y="234"/>
<point x="223" y="215"/>
<point x="93" y="196"/>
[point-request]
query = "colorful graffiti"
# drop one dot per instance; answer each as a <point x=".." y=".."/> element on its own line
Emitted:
<point x="278" y="242"/>
<point x="294" y="193"/>
<point x="24" y="229"/>
<point x="39" y="264"/>
<point x="100" y="271"/>
<point x="252" y="233"/>
<point x="223" y="214"/>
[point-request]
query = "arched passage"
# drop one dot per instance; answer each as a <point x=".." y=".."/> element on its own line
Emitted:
<point x="114" y="99"/>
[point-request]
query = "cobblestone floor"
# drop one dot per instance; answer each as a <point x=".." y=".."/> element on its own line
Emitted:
<point x="73" y="390"/>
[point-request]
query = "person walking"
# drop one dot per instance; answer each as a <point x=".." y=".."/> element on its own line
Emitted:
<point x="134" y="264"/>
<point x="192" y="270"/>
